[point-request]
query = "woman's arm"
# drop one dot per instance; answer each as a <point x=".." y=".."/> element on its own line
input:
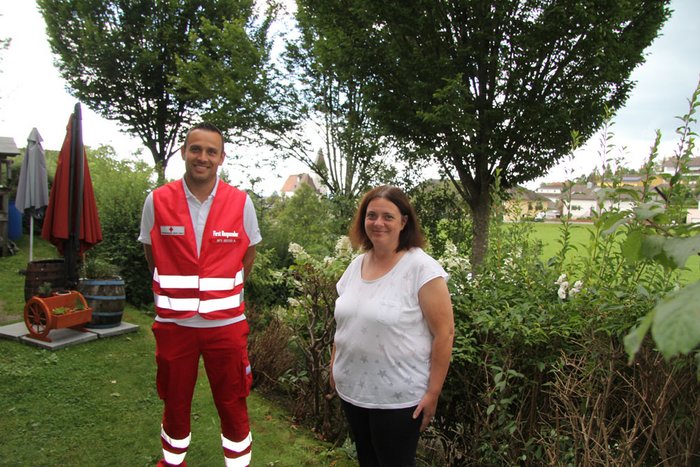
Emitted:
<point x="435" y="302"/>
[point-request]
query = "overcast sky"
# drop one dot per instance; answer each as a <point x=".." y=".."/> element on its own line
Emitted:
<point x="32" y="94"/>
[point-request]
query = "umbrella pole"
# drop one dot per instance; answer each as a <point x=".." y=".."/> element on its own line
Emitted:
<point x="31" y="238"/>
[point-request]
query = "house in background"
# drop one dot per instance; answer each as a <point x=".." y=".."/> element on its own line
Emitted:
<point x="524" y="203"/>
<point x="551" y="191"/>
<point x="693" y="215"/>
<point x="632" y="180"/>
<point x="669" y="167"/>
<point x="584" y="200"/>
<point x="293" y="183"/>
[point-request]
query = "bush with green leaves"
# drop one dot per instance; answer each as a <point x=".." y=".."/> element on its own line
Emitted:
<point x="540" y="373"/>
<point x="121" y="186"/>
<point x="658" y="234"/>
<point x="306" y="218"/>
<point x="310" y="316"/>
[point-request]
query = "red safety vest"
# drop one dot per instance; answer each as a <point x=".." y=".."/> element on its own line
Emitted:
<point x="211" y="285"/>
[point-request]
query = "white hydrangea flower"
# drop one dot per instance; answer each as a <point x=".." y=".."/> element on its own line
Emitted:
<point x="343" y="247"/>
<point x="451" y="260"/>
<point x="563" y="287"/>
<point x="578" y="285"/>
<point x="298" y="252"/>
<point x="295" y="249"/>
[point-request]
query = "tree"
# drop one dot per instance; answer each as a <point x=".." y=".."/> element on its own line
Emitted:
<point x="489" y="89"/>
<point x="306" y="219"/>
<point x="130" y="61"/>
<point x="310" y="97"/>
<point x="355" y="152"/>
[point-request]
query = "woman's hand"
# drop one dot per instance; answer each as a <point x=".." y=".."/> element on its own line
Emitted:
<point x="428" y="406"/>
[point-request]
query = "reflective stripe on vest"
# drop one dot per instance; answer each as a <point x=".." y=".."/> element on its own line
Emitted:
<point x="204" y="284"/>
<point x="195" y="304"/>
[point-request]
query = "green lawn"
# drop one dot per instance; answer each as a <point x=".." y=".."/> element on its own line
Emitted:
<point x="96" y="403"/>
<point x="551" y="233"/>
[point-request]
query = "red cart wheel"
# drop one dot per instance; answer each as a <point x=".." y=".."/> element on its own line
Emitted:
<point x="37" y="317"/>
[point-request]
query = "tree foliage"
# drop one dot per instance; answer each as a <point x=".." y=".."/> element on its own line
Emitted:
<point x="489" y="89"/>
<point x="354" y="153"/>
<point x="133" y="61"/>
<point x="306" y="219"/>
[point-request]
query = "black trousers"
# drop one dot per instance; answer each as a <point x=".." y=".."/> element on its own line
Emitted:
<point x="384" y="437"/>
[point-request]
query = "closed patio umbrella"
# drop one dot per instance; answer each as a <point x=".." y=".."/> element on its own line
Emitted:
<point x="33" y="187"/>
<point x="72" y="223"/>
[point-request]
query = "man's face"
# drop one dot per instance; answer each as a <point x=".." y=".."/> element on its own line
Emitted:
<point x="203" y="154"/>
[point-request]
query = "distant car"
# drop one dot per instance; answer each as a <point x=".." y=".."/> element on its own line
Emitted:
<point x="539" y="217"/>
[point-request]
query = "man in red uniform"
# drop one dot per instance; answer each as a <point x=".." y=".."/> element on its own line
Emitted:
<point x="199" y="237"/>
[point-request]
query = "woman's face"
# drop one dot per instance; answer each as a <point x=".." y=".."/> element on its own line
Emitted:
<point x="384" y="223"/>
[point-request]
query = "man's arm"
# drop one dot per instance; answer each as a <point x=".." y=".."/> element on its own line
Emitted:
<point x="148" y="252"/>
<point x="248" y="260"/>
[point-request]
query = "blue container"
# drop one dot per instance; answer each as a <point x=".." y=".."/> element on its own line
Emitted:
<point x="14" y="224"/>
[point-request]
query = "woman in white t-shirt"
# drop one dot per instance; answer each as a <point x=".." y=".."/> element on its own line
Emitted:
<point x="394" y="332"/>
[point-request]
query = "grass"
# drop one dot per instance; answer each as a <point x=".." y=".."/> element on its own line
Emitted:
<point x="96" y="403"/>
<point x="550" y="234"/>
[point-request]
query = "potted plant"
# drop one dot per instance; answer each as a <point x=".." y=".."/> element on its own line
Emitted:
<point x="103" y="288"/>
<point x="45" y="289"/>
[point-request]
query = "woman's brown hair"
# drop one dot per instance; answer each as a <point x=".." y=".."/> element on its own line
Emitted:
<point x="411" y="235"/>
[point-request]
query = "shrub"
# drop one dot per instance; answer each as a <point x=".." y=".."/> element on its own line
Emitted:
<point x="310" y="315"/>
<point x="539" y="373"/>
<point x="120" y="188"/>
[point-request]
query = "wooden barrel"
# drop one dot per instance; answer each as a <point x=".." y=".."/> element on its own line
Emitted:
<point x="106" y="297"/>
<point x="40" y="272"/>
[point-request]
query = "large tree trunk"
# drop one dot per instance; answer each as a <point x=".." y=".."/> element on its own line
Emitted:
<point x="480" y="206"/>
<point x="160" y="172"/>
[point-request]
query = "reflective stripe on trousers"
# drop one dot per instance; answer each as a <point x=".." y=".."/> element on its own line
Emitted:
<point x="174" y="450"/>
<point x="237" y="454"/>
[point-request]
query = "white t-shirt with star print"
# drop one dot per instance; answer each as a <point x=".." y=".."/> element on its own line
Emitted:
<point x="382" y="341"/>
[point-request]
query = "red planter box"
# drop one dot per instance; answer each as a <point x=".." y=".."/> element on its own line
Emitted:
<point x="40" y="319"/>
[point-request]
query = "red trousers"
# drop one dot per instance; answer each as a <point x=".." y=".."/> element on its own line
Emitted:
<point x="225" y="355"/>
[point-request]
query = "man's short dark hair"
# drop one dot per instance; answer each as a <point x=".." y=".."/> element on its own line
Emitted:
<point x="207" y="127"/>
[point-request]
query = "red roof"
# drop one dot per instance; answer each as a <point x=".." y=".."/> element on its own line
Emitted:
<point x="295" y="181"/>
